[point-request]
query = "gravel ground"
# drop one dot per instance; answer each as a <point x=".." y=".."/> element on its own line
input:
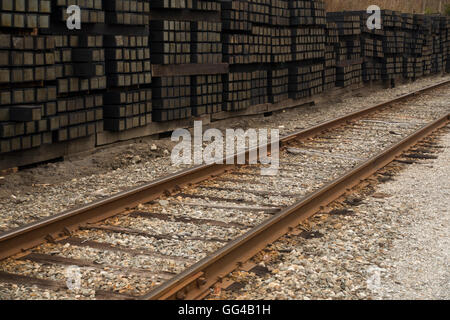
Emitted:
<point x="393" y="245"/>
<point x="49" y="189"/>
<point x="418" y="263"/>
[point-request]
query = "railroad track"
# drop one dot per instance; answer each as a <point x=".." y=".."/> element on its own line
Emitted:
<point x="179" y="236"/>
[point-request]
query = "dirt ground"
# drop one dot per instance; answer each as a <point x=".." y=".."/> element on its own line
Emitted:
<point x="79" y="166"/>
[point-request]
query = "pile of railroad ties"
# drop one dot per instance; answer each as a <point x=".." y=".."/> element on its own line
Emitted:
<point x="59" y="85"/>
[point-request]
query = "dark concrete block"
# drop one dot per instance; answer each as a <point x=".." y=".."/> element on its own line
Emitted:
<point x="31" y="21"/>
<point x="41" y="125"/>
<point x="53" y="123"/>
<point x="25" y="113"/>
<point x="5" y="41"/>
<point x="5" y="76"/>
<point x="45" y="6"/>
<point x="62" y="135"/>
<point x="36" y="140"/>
<point x="50" y="108"/>
<point x="26" y="142"/>
<point x="17" y="58"/>
<point x="6" y="5"/>
<point x="19" y="5"/>
<point x="47" y="138"/>
<point x="5" y="146"/>
<point x="20" y="129"/>
<point x="4" y="58"/>
<point x="4" y="114"/>
<point x="6" y="20"/>
<point x="30" y="127"/>
<point x="16" y="144"/>
<point x="19" y="20"/>
<point x="7" y="129"/>
<point x="44" y="22"/>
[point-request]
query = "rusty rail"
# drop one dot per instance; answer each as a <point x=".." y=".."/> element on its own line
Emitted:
<point x="194" y="283"/>
<point x="29" y="236"/>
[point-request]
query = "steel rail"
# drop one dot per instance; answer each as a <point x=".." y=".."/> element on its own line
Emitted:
<point x="20" y="239"/>
<point x="195" y="282"/>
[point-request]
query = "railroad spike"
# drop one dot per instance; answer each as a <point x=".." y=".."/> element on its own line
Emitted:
<point x="67" y="232"/>
<point x="201" y="281"/>
<point x="50" y="239"/>
<point x="181" y="295"/>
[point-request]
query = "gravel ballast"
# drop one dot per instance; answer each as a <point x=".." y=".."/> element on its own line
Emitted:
<point x="393" y="245"/>
<point x="418" y="262"/>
